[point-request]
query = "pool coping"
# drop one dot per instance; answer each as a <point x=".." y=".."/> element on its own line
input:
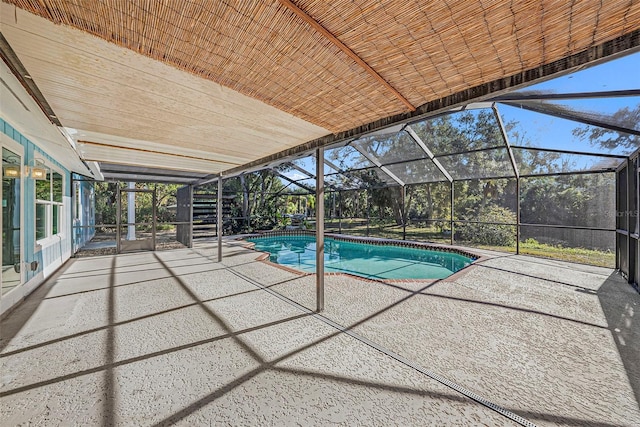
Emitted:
<point x="264" y="256"/>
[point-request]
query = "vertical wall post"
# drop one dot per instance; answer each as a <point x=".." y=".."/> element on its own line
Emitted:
<point x="219" y="217"/>
<point x="320" y="229"/>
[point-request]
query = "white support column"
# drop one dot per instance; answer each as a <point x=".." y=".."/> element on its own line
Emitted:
<point x="319" y="229"/>
<point x="131" y="212"/>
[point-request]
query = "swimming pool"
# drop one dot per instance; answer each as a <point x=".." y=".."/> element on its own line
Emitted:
<point x="379" y="261"/>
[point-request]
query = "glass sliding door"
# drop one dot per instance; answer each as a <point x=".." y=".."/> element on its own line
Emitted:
<point x="11" y="220"/>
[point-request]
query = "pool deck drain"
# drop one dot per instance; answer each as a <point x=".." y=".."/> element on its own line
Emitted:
<point x="177" y="338"/>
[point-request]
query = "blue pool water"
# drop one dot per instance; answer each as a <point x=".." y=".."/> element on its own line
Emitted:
<point x="365" y="260"/>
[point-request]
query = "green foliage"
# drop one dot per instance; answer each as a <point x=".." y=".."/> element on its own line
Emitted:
<point x="106" y="203"/>
<point x="282" y="220"/>
<point x="489" y="234"/>
<point x="568" y="200"/>
<point x="105" y="200"/>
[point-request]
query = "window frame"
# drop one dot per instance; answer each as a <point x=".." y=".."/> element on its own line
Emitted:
<point x="49" y="206"/>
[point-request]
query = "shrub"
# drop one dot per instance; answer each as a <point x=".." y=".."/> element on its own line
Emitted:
<point x="490" y="234"/>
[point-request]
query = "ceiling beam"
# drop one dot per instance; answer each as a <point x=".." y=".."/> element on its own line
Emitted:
<point x="534" y="96"/>
<point x="22" y="75"/>
<point x="144" y="150"/>
<point x="344" y="48"/>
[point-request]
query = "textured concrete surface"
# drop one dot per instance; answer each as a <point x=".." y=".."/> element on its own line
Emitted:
<point x="178" y="338"/>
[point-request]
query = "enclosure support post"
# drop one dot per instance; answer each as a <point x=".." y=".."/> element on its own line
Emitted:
<point x="340" y="212"/>
<point x="131" y="212"/>
<point x="191" y="189"/>
<point x="628" y="226"/>
<point x="319" y="229"/>
<point x="404" y="213"/>
<point x="333" y="205"/>
<point x="517" y="215"/>
<point x="516" y="171"/>
<point x="368" y="210"/>
<point x="118" y="219"/>
<point x="154" y="218"/>
<point x="452" y="225"/>
<point x="219" y="217"/>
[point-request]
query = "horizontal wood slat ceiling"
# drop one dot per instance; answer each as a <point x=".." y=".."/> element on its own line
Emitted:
<point x="425" y="50"/>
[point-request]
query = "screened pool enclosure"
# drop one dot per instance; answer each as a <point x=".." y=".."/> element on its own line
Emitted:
<point x="532" y="172"/>
<point x="540" y="171"/>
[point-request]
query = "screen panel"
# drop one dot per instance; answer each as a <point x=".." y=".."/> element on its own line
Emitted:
<point x="478" y="164"/>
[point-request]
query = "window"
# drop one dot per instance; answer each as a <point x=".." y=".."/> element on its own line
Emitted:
<point x="49" y="207"/>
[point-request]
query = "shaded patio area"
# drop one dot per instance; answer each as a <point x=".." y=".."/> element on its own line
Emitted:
<point x="175" y="337"/>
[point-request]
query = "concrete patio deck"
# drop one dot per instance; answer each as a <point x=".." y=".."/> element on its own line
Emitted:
<point x="177" y="338"/>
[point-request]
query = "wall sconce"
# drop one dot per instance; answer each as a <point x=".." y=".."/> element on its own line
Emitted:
<point x="38" y="171"/>
<point x="11" y="167"/>
<point x="11" y="171"/>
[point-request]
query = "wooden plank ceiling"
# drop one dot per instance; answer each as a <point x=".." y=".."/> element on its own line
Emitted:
<point x="228" y="82"/>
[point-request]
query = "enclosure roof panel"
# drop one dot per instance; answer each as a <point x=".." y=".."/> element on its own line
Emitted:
<point x="460" y="131"/>
<point x="479" y="164"/>
<point x="391" y="148"/>
<point x="571" y="126"/>
<point x="417" y="172"/>
<point x="541" y="162"/>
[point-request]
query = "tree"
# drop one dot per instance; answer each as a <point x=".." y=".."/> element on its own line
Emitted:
<point x="259" y="192"/>
<point x="609" y="139"/>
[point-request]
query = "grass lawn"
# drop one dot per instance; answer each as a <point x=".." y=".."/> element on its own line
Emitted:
<point x="358" y="227"/>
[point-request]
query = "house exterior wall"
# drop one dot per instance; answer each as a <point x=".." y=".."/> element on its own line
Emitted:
<point x="40" y="258"/>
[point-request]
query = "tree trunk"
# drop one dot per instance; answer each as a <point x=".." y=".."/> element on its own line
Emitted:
<point x="245" y="196"/>
<point x="429" y="203"/>
<point x="396" y="205"/>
